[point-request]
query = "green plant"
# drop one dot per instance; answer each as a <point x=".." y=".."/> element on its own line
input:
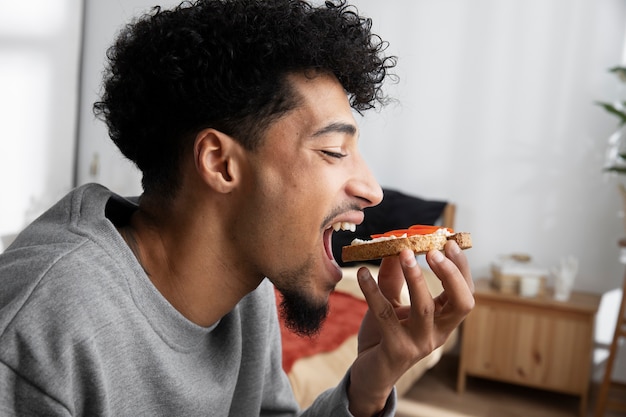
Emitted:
<point x="616" y="156"/>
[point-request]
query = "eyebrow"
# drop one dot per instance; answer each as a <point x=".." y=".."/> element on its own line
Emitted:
<point x="336" y="127"/>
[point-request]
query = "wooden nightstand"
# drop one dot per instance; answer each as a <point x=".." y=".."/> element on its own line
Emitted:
<point x="537" y="342"/>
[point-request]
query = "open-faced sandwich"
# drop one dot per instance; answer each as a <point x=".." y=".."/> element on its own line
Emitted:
<point x="418" y="238"/>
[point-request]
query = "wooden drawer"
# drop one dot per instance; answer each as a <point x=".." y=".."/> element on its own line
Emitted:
<point x="529" y="347"/>
<point x="537" y="342"/>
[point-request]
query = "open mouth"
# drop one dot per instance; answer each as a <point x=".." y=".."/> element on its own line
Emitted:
<point x="328" y="236"/>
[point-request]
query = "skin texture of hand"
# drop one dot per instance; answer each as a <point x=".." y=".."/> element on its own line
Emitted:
<point x="393" y="337"/>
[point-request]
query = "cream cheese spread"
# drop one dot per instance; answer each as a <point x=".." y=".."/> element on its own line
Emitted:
<point x="440" y="231"/>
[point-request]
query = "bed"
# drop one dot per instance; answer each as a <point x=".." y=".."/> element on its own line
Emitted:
<point x="316" y="364"/>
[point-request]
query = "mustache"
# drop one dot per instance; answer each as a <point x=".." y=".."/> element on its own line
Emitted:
<point x="340" y="210"/>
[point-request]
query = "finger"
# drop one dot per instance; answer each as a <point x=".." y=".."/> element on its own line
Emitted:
<point x="458" y="300"/>
<point x="457" y="256"/>
<point x="378" y="304"/>
<point x="453" y="268"/>
<point x="391" y="279"/>
<point x="422" y="304"/>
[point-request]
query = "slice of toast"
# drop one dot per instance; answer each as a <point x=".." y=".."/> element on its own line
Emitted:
<point x="417" y="243"/>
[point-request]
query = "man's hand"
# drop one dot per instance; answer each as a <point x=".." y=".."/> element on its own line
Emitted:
<point x="394" y="337"/>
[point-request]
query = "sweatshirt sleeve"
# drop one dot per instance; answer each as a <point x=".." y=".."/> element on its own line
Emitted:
<point x="334" y="402"/>
<point x="20" y="398"/>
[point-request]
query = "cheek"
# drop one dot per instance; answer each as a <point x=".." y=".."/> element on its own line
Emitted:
<point x="290" y="226"/>
<point x="291" y="201"/>
<point x="270" y="216"/>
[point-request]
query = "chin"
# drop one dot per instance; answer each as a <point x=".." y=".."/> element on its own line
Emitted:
<point x="303" y="312"/>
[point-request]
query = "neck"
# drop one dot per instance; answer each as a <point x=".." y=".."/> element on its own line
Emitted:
<point x="187" y="267"/>
<point x="129" y="237"/>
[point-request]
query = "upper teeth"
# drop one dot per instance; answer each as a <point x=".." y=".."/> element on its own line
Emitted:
<point x="344" y="226"/>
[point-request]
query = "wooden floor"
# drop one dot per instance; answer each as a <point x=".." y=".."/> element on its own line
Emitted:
<point x="434" y="395"/>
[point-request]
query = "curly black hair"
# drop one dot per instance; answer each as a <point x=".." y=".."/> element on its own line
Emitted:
<point x="223" y="64"/>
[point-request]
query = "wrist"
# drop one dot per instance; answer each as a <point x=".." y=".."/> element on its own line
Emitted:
<point x="363" y="403"/>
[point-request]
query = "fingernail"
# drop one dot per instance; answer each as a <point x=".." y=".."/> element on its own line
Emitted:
<point x="410" y="262"/>
<point x="364" y="275"/>
<point x="437" y="256"/>
<point x="455" y="248"/>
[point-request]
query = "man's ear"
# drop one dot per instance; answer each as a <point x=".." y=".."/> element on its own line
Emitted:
<point x="216" y="156"/>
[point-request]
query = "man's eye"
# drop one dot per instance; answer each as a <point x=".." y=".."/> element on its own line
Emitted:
<point x="334" y="154"/>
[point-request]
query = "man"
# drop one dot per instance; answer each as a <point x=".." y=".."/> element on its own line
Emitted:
<point x="238" y="113"/>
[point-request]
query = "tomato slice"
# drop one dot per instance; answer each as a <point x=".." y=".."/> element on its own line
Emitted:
<point x="396" y="233"/>
<point x="418" y="229"/>
<point x="426" y="229"/>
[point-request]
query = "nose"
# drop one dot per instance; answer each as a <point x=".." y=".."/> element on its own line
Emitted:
<point x="364" y="186"/>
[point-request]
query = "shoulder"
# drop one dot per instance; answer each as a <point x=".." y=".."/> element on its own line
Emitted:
<point x="62" y="263"/>
<point x="47" y="281"/>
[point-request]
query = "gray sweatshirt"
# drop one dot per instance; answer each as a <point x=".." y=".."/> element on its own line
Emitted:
<point x="83" y="332"/>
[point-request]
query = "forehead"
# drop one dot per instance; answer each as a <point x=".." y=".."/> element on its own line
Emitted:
<point x="323" y="105"/>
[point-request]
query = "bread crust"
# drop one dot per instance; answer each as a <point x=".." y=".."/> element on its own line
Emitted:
<point x="417" y="243"/>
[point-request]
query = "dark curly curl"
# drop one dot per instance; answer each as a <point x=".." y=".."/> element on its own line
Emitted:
<point x="223" y="64"/>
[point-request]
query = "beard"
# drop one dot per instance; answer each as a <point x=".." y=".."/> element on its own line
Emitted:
<point x="301" y="314"/>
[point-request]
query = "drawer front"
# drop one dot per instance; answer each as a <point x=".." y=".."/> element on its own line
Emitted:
<point x="529" y="346"/>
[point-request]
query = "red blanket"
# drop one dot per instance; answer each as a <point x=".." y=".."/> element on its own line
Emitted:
<point x="344" y="320"/>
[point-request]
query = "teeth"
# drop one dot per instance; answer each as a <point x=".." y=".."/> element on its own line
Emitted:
<point x="344" y="226"/>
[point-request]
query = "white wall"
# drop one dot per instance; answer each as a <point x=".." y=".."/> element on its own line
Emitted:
<point x="496" y="113"/>
<point x="39" y="61"/>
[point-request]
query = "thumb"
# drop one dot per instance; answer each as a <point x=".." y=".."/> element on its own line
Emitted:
<point x="379" y="306"/>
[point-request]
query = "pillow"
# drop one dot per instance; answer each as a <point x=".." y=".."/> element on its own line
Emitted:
<point x="396" y="211"/>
